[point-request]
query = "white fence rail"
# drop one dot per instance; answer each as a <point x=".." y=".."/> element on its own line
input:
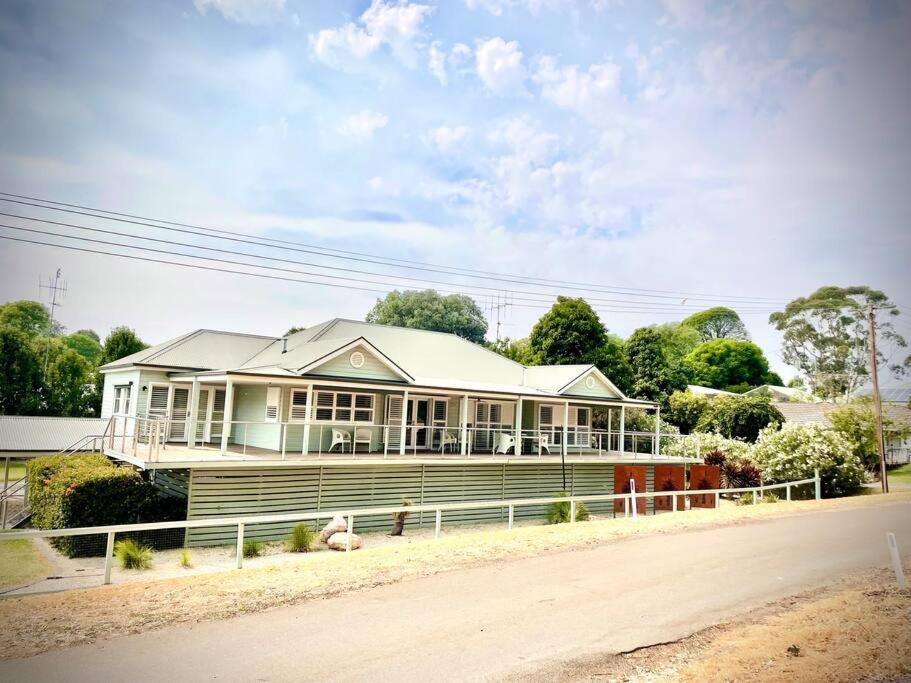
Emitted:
<point x="629" y="500"/>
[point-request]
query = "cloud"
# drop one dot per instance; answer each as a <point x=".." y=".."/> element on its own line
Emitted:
<point x="397" y="26"/>
<point x="244" y="11"/>
<point x="437" y="62"/>
<point x="590" y="92"/>
<point x="363" y="124"/>
<point x="445" y="138"/>
<point x="497" y="7"/>
<point x="499" y="66"/>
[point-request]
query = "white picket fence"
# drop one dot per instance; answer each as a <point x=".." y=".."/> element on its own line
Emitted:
<point x="437" y="508"/>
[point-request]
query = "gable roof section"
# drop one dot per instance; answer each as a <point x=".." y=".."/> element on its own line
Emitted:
<point x="200" y="350"/>
<point x="370" y="370"/>
<point x="593" y="383"/>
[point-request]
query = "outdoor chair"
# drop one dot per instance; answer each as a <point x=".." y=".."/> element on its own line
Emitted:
<point x="363" y="435"/>
<point x="340" y="438"/>
<point x="447" y="438"/>
<point x="505" y="442"/>
<point x="543" y="444"/>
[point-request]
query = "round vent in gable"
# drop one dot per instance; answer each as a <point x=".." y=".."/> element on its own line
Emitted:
<point x="357" y="359"/>
<point x="589" y="382"/>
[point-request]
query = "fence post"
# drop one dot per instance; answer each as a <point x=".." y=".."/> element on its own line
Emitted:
<point x="788" y="492"/>
<point x="240" y="545"/>
<point x="673" y="503"/>
<point x="439" y="523"/>
<point x="717" y="499"/>
<point x="348" y="535"/>
<point x="108" y="558"/>
<point x="572" y="510"/>
<point x="754" y="496"/>
<point x="512" y="513"/>
<point x="626" y="506"/>
<point x="896" y="560"/>
<point x="818" y="484"/>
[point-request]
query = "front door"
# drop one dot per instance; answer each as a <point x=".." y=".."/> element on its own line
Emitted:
<point x="416" y="419"/>
<point x="202" y="416"/>
<point x="180" y="405"/>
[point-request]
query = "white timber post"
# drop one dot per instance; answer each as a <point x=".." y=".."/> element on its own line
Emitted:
<point x="622" y="430"/>
<point x="194" y="413"/>
<point x="240" y="545"/>
<point x="228" y="416"/>
<point x="512" y="516"/>
<point x="518" y="449"/>
<point x="439" y="524"/>
<point x="108" y="558"/>
<point x="565" y="427"/>
<point x="610" y="413"/>
<point x="463" y="424"/>
<point x="348" y="535"/>
<point x="655" y="445"/>
<point x="896" y="560"/>
<point x="632" y="498"/>
<point x="818" y="484"/>
<point x="308" y="419"/>
<point x="572" y="510"/>
<point x="404" y="427"/>
<point x="788" y="490"/>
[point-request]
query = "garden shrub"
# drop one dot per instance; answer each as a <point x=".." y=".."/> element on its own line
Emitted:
<point x="687" y="409"/>
<point x="558" y="511"/>
<point x="89" y="490"/>
<point x="794" y="452"/>
<point x="132" y="555"/>
<point x="739" y="417"/>
<point x="252" y="548"/>
<point x="185" y="561"/>
<point x="301" y="539"/>
<point x="702" y="443"/>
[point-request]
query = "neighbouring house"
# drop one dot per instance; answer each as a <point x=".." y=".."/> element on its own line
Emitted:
<point x="348" y="414"/>
<point x="897" y="439"/>
<point x="899" y="394"/>
<point x="708" y="392"/>
<point x="779" y="393"/>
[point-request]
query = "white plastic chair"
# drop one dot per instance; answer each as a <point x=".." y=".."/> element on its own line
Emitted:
<point x="447" y="438"/>
<point x="505" y="442"/>
<point x="363" y="435"/>
<point x="340" y="438"/>
<point x="543" y="444"/>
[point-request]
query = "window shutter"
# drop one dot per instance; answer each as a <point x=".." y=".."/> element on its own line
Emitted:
<point x="547" y="416"/>
<point x="298" y="408"/>
<point x="440" y="408"/>
<point x="273" y="399"/>
<point x="323" y="406"/>
<point x="343" y="407"/>
<point x="496" y="413"/>
<point x="158" y="402"/>
<point x="363" y="408"/>
<point x="482" y="412"/>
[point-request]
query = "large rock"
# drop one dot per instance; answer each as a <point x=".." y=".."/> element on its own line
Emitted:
<point x="339" y="541"/>
<point x="338" y="524"/>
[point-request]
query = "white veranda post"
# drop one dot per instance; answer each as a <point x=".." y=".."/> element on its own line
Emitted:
<point x="656" y="443"/>
<point x="518" y="448"/>
<point x="463" y="424"/>
<point x="193" y="414"/>
<point x="623" y="429"/>
<point x="404" y="428"/>
<point x="228" y="416"/>
<point x="308" y="419"/>
<point x="565" y="427"/>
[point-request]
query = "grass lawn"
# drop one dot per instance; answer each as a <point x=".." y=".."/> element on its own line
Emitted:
<point x="16" y="470"/>
<point x="902" y="474"/>
<point x="20" y="563"/>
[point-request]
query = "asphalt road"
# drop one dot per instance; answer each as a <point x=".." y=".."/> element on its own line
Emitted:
<point x="495" y="620"/>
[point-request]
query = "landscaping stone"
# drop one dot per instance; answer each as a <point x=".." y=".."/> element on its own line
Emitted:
<point x="339" y="541"/>
<point x="338" y="524"/>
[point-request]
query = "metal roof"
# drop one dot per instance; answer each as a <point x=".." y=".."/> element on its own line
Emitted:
<point x="46" y="434"/>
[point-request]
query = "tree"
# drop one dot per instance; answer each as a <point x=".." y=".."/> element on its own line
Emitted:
<point x="717" y="323"/>
<point x="653" y="376"/>
<point x="739" y="417"/>
<point x="518" y="350"/>
<point x="68" y="386"/>
<point x="293" y="330"/>
<point x="611" y="360"/>
<point x="677" y="340"/>
<point x="121" y="342"/>
<point x="85" y="346"/>
<point x="89" y="333"/>
<point x="687" y="410"/>
<point x="20" y="373"/>
<point x="29" y="317"/>
<point x="428" y="310"/>
<point x="722" y="363"/>
<point x="569" y="333"/>
<point x="825" y="337"/>
<point x="856" y="422"/>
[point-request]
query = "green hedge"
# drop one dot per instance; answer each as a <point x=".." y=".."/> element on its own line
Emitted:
<point x="89" y="490"/>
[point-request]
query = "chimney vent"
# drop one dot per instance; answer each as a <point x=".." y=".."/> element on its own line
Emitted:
<point x="284" y="345"/>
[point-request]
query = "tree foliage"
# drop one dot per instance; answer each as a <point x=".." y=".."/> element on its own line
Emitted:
<point x="121" y="342"/>
<point x="739" y="417"/>
<point x="856" y="422"/>
<point x="29" y="317"/>
<point x="20" y="373"/>
<point x="429" y="310"/>
<point x="723" y="363"/>
<point x="569" y="333"/>
<point x="68" y="386"/>
<point x="717" y="323"/>
<point x="825" y="337"/>
<point x="85" y="346"/>
<point x="654" y="377"/>
<point x="677" y="340"/>
<point x="518" y="350"/>
<point x="687" y="410"/>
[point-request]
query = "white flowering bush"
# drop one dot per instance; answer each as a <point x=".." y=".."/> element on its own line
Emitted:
<point x="794" y="451"/>
<point x="696" y="445"/>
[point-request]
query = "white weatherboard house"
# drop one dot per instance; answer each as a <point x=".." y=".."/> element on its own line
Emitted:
<point x="350" y="414"/>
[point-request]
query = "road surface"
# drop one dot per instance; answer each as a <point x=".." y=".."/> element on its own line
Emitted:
<point x="493" y="620"/>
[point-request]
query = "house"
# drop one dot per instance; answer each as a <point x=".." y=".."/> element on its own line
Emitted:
<point x="897" y="422"/>
<point x="899" y="394"/>
<point x="779" y="393"/>
<point x="349" y="414"/>
<point x="708" y="392"/>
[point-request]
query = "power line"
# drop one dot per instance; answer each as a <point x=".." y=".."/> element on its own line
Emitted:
<point x="136" y="219"/>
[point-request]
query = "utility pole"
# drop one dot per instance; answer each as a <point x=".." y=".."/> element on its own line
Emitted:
<point x="54" y="288"/>
<point x="877" y="404"/>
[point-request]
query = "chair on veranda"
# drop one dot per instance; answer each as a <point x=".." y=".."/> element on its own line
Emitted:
<point x="340" y="438"/>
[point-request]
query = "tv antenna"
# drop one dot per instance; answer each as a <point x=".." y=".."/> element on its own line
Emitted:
<point x="56" y="290"/>
<point x="501" y="308"/>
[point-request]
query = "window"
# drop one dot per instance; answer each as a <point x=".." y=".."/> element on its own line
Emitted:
<point x="122" y="399"/>
<point x="273" y="400"/>
<point x="344" y="407"/>
<point x="297" y="405"/>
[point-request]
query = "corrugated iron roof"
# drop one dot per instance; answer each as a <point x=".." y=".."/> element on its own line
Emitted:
<point x="46" y="434"/>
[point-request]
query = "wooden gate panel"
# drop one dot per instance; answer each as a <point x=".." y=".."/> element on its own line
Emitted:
<point x="622" y="475"/>
<point x="704" y="477"/>
<point x="669" y="478"/>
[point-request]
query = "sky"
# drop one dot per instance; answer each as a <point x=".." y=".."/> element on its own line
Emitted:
<point x="659" y="156"/>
